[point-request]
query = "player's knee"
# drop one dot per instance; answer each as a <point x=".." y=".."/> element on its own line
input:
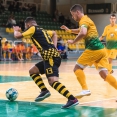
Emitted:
<point x="76" y="68"/>
<point x="51" y="80"/>
<point x="103" y="74"/>
<point x="34" y="70"/>
<point x="31" y="71"/>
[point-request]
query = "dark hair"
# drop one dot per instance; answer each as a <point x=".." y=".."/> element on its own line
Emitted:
<point x="29" y="19"/>
<point x="6" y="42"/>
<point x="76" y="7"/>
<point x="113" y="15"/>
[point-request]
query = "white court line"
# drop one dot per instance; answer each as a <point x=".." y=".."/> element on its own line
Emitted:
<point x="82" y="104"/>
<point x="15" y="82"/>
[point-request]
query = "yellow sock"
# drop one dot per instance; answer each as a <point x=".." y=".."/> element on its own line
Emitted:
<point x="62" y="90"/>
<point x="81" y="78"/>
<point x="39" y="82"/>
<point x="111" y="80"/>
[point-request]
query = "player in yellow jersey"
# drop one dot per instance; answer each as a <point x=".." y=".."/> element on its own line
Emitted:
<point x="94" y="53"/>
<point x="49" y="65"/>
<point x="110" y="32"/>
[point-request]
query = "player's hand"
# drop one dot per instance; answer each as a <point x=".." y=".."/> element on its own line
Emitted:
<point x="64" y="27"/>
<point x="70" y="41"/>
<point x="16" y="28"/>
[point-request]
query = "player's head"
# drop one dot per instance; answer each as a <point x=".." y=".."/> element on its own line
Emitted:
<point x="6" y="42"/>
<point x="112" y="18"/>
<point x="77" y="12"/>
<point x="29" y="21"/>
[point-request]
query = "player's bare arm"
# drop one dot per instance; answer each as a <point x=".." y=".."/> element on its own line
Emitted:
<point x="81" y="35"/>
<point x="17" y="33"/>
<point x="54" y="38"/>
<point x="101" y="37"/>
<point x="75" y="31"/>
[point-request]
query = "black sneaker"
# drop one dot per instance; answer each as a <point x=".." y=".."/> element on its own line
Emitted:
<point x="43" y="95"/>
<point x="70" y="103"/>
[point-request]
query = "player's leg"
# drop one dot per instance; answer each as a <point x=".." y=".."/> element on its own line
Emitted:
<point x="111" y="55"/>
<point x="78" y="70"/>
<point x="4" y="55"/>
<point x="108" y="77"/>
<point x="35" y="72"/>
<point x="9" y="55"/>
<point x="52" y="74"/>
<point x="81" y="64"/>
<point x="104" y="70"/>
<point x="17" y="55"/>
<point x="21" y="56"/>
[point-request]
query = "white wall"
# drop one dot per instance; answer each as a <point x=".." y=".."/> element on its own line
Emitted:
<point x="100" y="21"/>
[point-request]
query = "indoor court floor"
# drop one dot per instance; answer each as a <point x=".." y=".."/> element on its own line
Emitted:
<point x="101" y="103"/>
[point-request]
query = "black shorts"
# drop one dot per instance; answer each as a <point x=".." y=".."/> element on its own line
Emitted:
<point x="49" y="67"/>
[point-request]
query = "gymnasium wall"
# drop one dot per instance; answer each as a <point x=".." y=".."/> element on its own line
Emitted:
<point x="101" y="20"/>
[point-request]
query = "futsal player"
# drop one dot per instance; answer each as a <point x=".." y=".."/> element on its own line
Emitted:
<point x="110" y="32"/>
<point x="95" y="53"/>
<point x="49" y="65"/>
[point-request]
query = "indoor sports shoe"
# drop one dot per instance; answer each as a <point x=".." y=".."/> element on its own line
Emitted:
<point x="43" y="95"/>
<point x="83" y="93"/>
<point x="70" y="103"/>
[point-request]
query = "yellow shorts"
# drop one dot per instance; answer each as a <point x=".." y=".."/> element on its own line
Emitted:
<point x="112" y="53"/>
<point x="97" y="57"/>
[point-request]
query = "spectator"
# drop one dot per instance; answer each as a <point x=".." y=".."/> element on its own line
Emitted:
<point x="9" y="23"/>
<point x="6" y="50"/>
<point x="56" y="15"/>
<point x="19" y="55"/>
<point x="21" y="24"/>
<point x="29" y="52"/>
<point x="11" y="7"/>
<point x="62" y="50"/>
<point x="13" y="21"/>
<point x="35" y="51"/>
<point x="23" y="50"/>
<point x="61" y="18"/>
<point x="60" y="41"/>
<point x="68" y="22"/>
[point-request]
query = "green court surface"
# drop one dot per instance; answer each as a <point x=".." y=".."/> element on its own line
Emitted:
<point x="5" y="79"/>
<point x="32" y="109"/>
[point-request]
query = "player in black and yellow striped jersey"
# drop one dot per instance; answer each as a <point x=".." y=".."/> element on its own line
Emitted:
<point x="50" y="64"/>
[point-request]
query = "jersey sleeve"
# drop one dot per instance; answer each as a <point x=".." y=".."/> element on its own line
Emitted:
<point x="84" y="24"/>
<point x="50" y="33"/>
<point x="29" y="32"/>
<point x="105" y="32"/>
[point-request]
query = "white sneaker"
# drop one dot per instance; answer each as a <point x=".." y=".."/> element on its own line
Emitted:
<point x="4" y="59"/>
<point x="83" y="93"/>
<point x="10" y="59"/>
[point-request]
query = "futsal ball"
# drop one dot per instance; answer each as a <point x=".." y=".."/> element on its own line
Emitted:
<point x="11" y="94"/>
